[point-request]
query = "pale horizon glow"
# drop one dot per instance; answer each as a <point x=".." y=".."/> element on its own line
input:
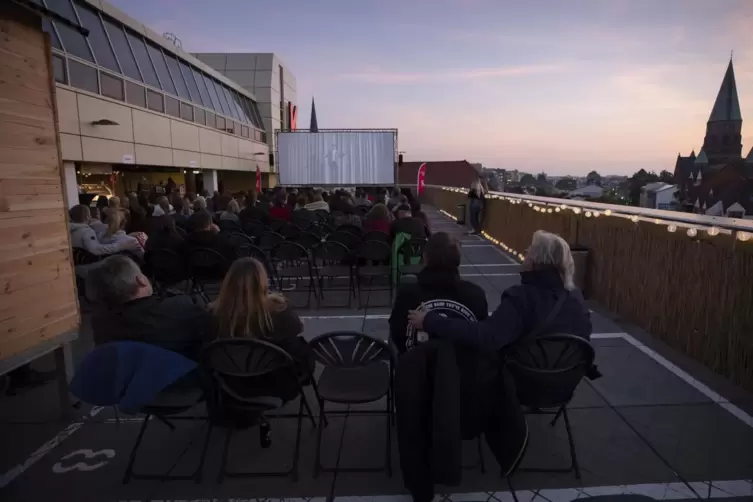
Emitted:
<point x="561" y="86"/>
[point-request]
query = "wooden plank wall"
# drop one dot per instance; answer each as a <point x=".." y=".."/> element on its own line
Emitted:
<point x="38" y="298"/>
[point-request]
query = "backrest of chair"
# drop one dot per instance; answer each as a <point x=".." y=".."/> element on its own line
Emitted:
<point x="166" y="265"/>
<point x="548" y="368"/>
<point x="245" y="367"/>
<point x="269" y="240"/>
<point x="289" y="251"/>
<point x="375" y="251"/>
<point x="332" y="252"/>
<point x="350" y="349"/>
<point x="322" y="215"/>
<point x="308" y="240"/>
<point x="206" y="263"/>
<point x="355" y="230"/>
<point x="413" y="248"/>
<point x="230" y="226"/>
<point x="290" y="231"/>
<point x="254" y="227"/>
<point x="276" y="224"/>
<point x="240" y="239"/>
<point x="348" y="239"/>
<point x="303" y="217"/>
<point x="83" y="257"/>
<point x="376" y="235"/>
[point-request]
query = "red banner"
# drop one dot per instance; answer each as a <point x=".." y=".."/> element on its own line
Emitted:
<point x="258" y="180"/>
<point x="421" y="181"/>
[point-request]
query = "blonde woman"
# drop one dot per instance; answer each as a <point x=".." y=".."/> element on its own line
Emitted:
<point x="231" y="212"/>
<point x="546" y="292"/>
<point x="115" y="233"/>
<point x="246" y="309"/>
<point x="476" y="205"/>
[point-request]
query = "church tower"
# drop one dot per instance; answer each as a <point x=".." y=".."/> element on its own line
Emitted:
<point x="723" y="141"/>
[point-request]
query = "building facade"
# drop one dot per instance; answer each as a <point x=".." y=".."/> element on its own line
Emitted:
<point x="719" y="181"/>
<point x="265" y="76"/>
<point x="135" y="110"/>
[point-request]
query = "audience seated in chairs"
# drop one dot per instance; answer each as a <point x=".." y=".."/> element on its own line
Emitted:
<point x="96" y="221"/>
<point x="362" y="199"/>
<point x="83" y="235"/>
<point x="439" y="279"/>
<point x="378" y="219"/>
<point x="415" y="206"/>
<point x="231" y="212"/>
<point x="348" y="216"/>
<point x="317" y="201"/>
<point x="165" y="235"/>
<point x="206" y="235"/>
<point x="280" y="209"/>
<point x="407" y="224"/>
<point x="116" y="234"/>
<point x="252" y="211"/>
<point x="546" y="278"/>
<point x="128" y="310"/>
<point x="246" y="308"/>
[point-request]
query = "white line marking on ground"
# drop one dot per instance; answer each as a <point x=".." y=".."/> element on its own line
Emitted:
<point x="601" y="336"/>
<point x="43" y="450"/>
<point x="477" y="246"/>
<point x="491" y="265"/>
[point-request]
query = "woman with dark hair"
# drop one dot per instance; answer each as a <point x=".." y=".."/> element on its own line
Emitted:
<point x="415" y="207"/>
<point x="377" y="219"/>
<point x="280" y="210"/>
<point x="165" y="236"/>
<point x="246" y="309"/>
<point x="439" y="279"/>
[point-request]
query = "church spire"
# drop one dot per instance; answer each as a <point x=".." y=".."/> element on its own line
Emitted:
<point x="727" y="105"/>
<point x="313" y="127"/>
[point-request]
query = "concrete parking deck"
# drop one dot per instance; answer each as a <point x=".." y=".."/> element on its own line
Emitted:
<point x="655" y="424"/>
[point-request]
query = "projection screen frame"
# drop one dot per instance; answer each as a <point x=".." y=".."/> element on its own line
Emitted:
<point x="293" y="131"/>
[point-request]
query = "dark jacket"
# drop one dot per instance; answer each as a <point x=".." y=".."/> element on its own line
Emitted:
<point x="432" y="284"/>
<point x="412" y="226"/>
<point x="446" y="393"/>
<point x="522" y="307"/>
<point x="174" y="323"/>
<point x="213" y="240"/>
<point x="165" y="240"/>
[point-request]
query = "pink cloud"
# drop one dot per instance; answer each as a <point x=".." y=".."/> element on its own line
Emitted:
<point x="376" y="76"/>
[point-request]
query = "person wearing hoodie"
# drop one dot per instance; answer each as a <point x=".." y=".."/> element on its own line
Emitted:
<point x="439" y="279"/>
<point x="318" y="202"/>
<point x="84" y="237"/>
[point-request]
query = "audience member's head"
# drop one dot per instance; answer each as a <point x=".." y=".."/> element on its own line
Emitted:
<point x="176" y="201"/>
<point x="251" y="200"/>
<point x="143" y="200"/>
<point x="115" y="221"/>
<point x="186" y="206"/>
<point x="378" y="212"/>
<point x="117" y="280"/>
<point x="301" y="201"/>
<point x="402" y="200"/>
<point x="200" y="204"/>
<point x="164" y="204"/>
<point x="114" y="203"/>
<point x="232" y="207"/>
<point x="549" y="250"/>
<point x="442" y="252"/>
<point x="133" y="200"/>
<point x="94" y="213"/>
<point x="166" y="226"/>
<point x="102" y="202"/>
<point x="202" y="221"/>
<point x="125" y="203"/>
<point x="403" y="211"/>
<point x="244" y="304"/>
<point x="316" y="195"/>
<point x="80" y="214"/>
<point x="395" y="193"/>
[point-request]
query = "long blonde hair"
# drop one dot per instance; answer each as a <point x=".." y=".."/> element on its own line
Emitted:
<point x="551" y="250"/>
<point x="115" y="221"/>
<point x="478" y="187"/>
<point x="244" y="307"/>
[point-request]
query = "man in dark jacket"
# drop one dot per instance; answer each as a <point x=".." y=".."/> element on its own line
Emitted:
<point x="130" y="311"/>
<point x="204" y="235"/>
<point x="547" y="277"/>
<point x="406" y="223"/>
<point x="439" y="280"/>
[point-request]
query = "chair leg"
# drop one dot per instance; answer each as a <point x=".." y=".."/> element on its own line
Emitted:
<point x="512" y="490"/>
<point x="388" y="446"/>
<point x="225" y="453"/>
<point x="573" y="457"/>
<point x="317" y="460"/>
<point x="481" y="455"/>
<point x="132" y="459"/>
<point x="305" y="402"/>
<point x="315" y="386"/>
<point x="200" y="470"/>
<point x="297" y="450"/>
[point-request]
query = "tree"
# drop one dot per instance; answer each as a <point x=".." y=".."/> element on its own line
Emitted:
<point x="593" y="178"/>
<point x="667" y="177"/>
<point x="566" y="183"/>
<point x="527" y="179"/>
<point x="638" y="181"/>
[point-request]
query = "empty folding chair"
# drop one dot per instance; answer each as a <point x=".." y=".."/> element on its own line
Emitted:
<point x="230" y="226"/>
<point x="373" y="263"/>
<point x="292" y="261"/>
<point x="290" y="231"/>
<point x="167" y="268"/>
<point x="334" y="261"/>
<point x="546" y="371"/>
<point x="357" y="369"/>
<point x="206" y="266"/>
<point x="269" y="240"/>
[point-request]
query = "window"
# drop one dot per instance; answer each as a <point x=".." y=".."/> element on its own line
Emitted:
<point x="210" y="119"/>
<point x="122" y="50"/>
<point x="135" y="94"/>
<point x="245" y="105"/>
<point x="73" y="42"/>
<point x="186" y="111"/>
<point x="257" y="135"/>
<point x="735" y="214"/>
<point x="192" y="87"/>
<point x="155" y="54"/>
<point x="230" y="102"/>
<point x="245" y="117"/>
<point x="221" y="97"/>
<point x="244" y="131"/>
<point x="199" y="116"/>
<point x="263" y="137"/>
<point x="63" y="8"/>
<point x="58" y="69"/>
<point x="154" y="101"/>
<point x="202" y="88"/>
<point x="213" y="94"/>
<point x="142" y="58"/>
<point x="112" y="87"/>
<point x="254" y="109"/>
<point x="220" y="123"/>
<point x="180" y="84"/>
<point x="47" y="27"/>
<point x="83" y="76"/>
<point x="172" y="106"/>
<point x="97" y="38"/>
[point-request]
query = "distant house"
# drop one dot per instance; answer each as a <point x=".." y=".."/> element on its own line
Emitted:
<point x="586" y="192"/>
<point x="454" y="173"/>
<point x="658" y="195"/>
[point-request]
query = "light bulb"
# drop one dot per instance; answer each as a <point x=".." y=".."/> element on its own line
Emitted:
<point x="557" y="210"/>
<point x="657" y="220"/>
<point x="672" y="228"/>
<point x="692" y="232"/>
<point x="576" y="210"/>
<point x="608" y="212"/>
<point x="743" y="236"/>
<point x="634" y="219"/>
<point x="530" y="205"/>
<point x="712" y="231"/>
<point x="563" y="206"/>
<point x="596" y="214"/>
<point x="588" y="214"/>
<point x="549" y="210"/>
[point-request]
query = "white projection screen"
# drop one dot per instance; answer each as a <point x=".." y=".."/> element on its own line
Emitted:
<point x="335" y="157"/>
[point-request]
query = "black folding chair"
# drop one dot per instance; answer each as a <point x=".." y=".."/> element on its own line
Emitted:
<point x="546" y="370"/>
<point x="409" y="251"/>
<point x="269" y="240"/>
<point x="240" y="239"/>
<point x="167" y="268"/>
<point x="308" y="240"/>
<point x="357" y="369"/>
<point x="247" y="377"/>
<point x="254" y="228"/>
<point x="303" y="218"/>
<point x="373" y="262"/>
<point x="292" y="261"/>
<point x="276" y="224"/>
<point x="206" y="266"/>
<point x="353" y="229"/>
<point x="230" y="226"/>
<point x="348" y="239"/>
<point x="334" y="260"/>
<point x="375" y="235"/>
<point x="290" y="231"/>
<point x="322" y="215"/>
<point x="168" y="407"/>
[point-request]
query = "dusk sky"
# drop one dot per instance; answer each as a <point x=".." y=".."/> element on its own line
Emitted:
<point x="563" y="86"/>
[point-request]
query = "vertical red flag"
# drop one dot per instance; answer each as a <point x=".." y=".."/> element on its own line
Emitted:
<point x="258" y="180"/>
<point x="421" y="181"/>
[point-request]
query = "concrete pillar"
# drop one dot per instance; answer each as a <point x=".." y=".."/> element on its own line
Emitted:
<point x="71" y="185"/>
<point x="210" y="180"/>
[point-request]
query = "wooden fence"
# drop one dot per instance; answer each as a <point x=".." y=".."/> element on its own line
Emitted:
<point x="695" y="294"/>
